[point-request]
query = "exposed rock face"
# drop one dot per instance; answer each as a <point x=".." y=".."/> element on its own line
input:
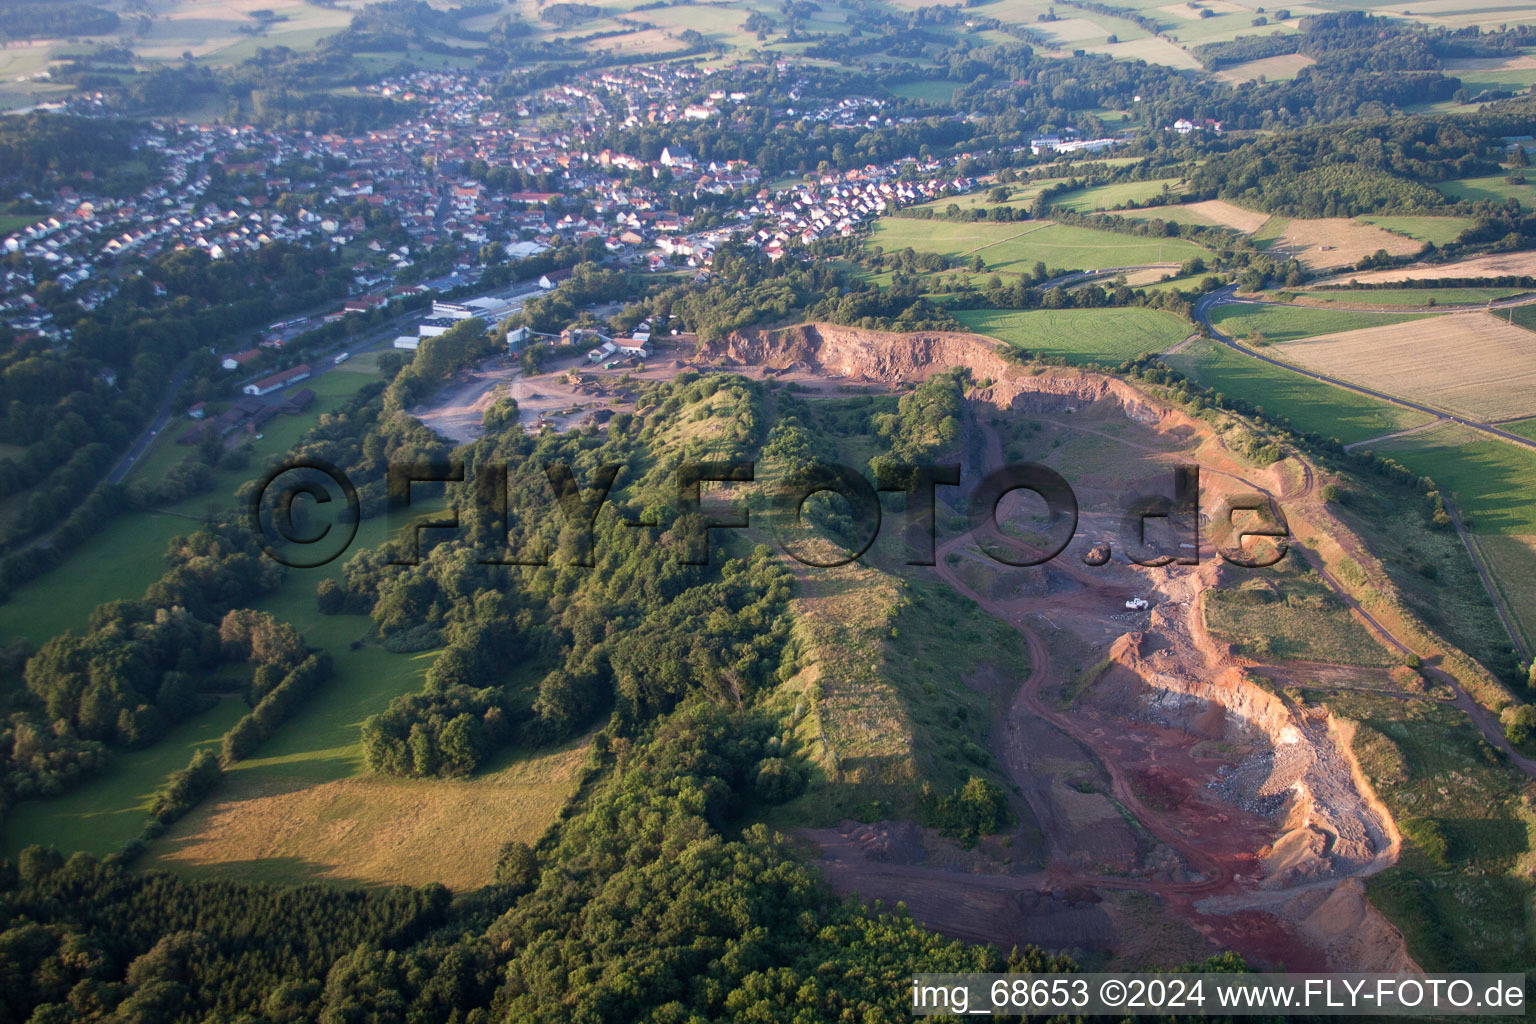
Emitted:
<point x="883" y="357"/>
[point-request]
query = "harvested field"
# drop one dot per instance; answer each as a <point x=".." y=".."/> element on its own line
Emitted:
<point x="1071" y="30"/>
<point x="1332" y="241"/>
<point x="1523" y="62"/>
<point x="1472" y="364"/>
<point x="371" y="830"/>
<point x="1229" y="215"/>
<point x="1273" y="69"/>
<point x="1498" y="265"/>
<point x="1153" y="51"/>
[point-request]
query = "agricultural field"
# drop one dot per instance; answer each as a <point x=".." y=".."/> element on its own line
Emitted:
<point x="936" y="92"/>
<point x="1271" y="69"/>
<point x="1423" y="297"/>
<point x="1291" y="323"/>
<point x="1493" y="187"/>
<point x="1107" y="197"/>
<point x="1512" y="559"/>
<point x="1491" y="483"/>
<point x="1021" y="195"/>
<point x="213" y="31"/>
<point x="1471" y="364"/>
<point x="1520" y="316"/>
<point x="1437" y="230"/>
<point x="1080" y="335"/>
<point x="1324" y="242"/>
<point x="1016" y="248"/>
<point x="1525" y="428"/>
<point x="1504" y="264"/>
<point x="1490" y="480"/>
<point x="1290" y="617"/>
<point x="1309" y="405"/>
<point x="1207" y="213"/>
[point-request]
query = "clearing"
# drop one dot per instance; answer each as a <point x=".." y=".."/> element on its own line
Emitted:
<point x="1272" y="69"/>
<point x="372" y="830"/>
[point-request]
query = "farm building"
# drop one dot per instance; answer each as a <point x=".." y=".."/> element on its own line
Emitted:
<point x="278" y="381"/>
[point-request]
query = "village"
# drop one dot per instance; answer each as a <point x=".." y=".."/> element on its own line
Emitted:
<point x="406" y="210"/>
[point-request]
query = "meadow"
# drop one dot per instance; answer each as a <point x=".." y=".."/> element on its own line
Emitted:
<point x="128" y="553"/>
<point x="1107" y="197"/>
<point x="1490" y="480"/>
<point x="1400" y="296"/>
<point x="1492" y="187"/>
<point x="1080" y="335"/>
<point x="1308" y="404"/>
<point x="1292" y="323"/>
<point x="12" y="223"/>
<point x="1016" y="248"/>
<point x="1438" y="230"/>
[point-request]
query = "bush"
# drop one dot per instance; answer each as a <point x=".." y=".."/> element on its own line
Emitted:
<point x="778" y="781"/>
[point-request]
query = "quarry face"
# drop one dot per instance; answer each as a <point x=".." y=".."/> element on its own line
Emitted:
<point x="1172" y="801"/>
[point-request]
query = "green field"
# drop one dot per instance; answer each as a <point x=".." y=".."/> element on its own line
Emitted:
<point x="1525" y="428"/>
<point x="1438" y="230"/>
<point x="1080" y="335"/>
<point x="12" y="223"/>
<point x="128" y="553"/>
<point x="1403" y="296"/>
<point x="1106" y="197"/>
<point x="105" y="813"/>
<point x="1021" y="195"/>
<point x="935" y="92"/>
<point x="1493" y="187"/>
<point x="1310" y="405"/>
<point x="1523" y="316"/>
<point x="1493" y="482"/>
<point x="1293" y="323"/>
<point x="1016" y="248"/>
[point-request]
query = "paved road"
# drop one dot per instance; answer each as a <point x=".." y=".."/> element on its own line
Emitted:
<point x="162" y="416"/>
<point x="1084" y="275"/>
<point x="1224" y="296"/>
